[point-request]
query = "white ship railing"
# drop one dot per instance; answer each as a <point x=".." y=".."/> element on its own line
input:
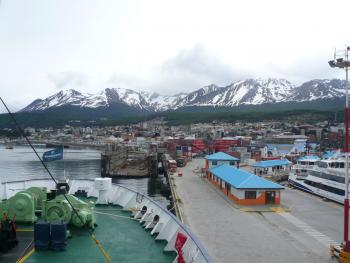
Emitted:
<point x="302" y="166"/>
<point x="162" y="223"/>
<point x="193" y="250"/>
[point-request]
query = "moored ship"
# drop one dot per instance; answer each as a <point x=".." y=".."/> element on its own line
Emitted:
<point x="326" y="178"/>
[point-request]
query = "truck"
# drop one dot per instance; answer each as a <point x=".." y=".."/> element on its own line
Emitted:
<point x="181" y="162"/>
<point x="172" y="166"/>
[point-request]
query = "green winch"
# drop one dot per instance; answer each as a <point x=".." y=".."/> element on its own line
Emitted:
<point x="24" y="205"/>
<point x="59" y="209"/>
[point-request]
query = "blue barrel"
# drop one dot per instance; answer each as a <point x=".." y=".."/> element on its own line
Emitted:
<point x="58" y="236"/>
<point x="41" y="235"/>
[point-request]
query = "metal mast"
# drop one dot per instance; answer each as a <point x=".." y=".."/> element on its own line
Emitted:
<point x="341" y="60"/>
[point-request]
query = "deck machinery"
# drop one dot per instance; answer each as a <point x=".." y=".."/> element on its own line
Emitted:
<point x="26" y="206"/>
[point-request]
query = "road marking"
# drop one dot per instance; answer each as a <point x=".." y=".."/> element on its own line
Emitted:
<point x="280" y="209"/>
<point x="322" y="238"/>
<point x="277" y="209"/>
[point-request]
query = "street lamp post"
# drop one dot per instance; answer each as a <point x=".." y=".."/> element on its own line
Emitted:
<point x="341" y="60"/>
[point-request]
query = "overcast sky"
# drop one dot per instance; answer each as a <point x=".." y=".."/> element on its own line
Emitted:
<point x="163" y="46"/>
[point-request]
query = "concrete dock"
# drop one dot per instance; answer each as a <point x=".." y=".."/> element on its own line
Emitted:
<point x="233" y="235"/>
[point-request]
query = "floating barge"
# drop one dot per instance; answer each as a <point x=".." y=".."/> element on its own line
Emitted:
<point x="127" y="162"/>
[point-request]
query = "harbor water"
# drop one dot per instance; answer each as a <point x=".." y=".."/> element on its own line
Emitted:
<point x="21" y="163"/>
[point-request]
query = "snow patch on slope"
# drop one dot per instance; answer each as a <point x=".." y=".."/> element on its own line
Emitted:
<point x="244" y="92"/>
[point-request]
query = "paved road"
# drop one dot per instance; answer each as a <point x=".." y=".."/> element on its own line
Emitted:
<point x="231" y="235"/>
<point x="325" y="216"/>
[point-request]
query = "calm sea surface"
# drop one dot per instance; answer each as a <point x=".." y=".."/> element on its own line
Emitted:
<point x="21" y="163"/>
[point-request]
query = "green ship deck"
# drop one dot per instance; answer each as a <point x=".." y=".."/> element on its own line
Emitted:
<point x="123" y="238"/>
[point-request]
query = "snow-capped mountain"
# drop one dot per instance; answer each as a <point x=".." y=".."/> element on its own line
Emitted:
<point x="199" y="97"/>
<point x="142" y="100"/>
<point x="64" y="97"/>
<point x="244" y="92"/>
<point x="108" y="96"/>
<point x="162" y="103"/>
<point x="319" y="89"/>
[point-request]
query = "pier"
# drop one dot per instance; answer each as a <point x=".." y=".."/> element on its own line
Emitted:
<point x="129" y="162"/>
<point x="299" y="231"/>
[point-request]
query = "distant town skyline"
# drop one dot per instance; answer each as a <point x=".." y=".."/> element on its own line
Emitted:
<point x="163" y="46"/>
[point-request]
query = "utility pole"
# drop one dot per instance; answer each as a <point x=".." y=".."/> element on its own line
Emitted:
<point x="341" y="60"/>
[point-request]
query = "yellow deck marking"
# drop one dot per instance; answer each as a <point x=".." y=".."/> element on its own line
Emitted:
<point x="105" y="254"/>
<point x="24" y="230"/>
<point x="26" y="256"/>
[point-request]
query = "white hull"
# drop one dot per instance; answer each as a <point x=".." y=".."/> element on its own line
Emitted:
<point x="300" y="184"/>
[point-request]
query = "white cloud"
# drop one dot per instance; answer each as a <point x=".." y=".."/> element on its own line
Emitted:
<point x="193" y="68"/>
<point x="167" y="46"/>
<point x="68" y="80"/>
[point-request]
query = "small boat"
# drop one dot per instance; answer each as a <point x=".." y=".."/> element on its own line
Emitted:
<point x="9" y="146"/>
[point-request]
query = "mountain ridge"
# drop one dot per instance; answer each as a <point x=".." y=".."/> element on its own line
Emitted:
<point x="243" y="92"/>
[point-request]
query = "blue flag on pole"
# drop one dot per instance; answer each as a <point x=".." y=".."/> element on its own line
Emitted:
<point x="53" y="155"/>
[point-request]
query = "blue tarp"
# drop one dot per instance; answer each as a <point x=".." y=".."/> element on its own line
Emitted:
<point x="272" y="163"/>
<point x="220" y="156"/>
<point x="241" y="179"/>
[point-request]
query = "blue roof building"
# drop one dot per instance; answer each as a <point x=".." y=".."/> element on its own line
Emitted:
<point x="220" y="156"/>
<point x="277" y="168"/>
<point x="244" y="188"/>
<point x="241" y="179"/>
<point x="272" y="163"/>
